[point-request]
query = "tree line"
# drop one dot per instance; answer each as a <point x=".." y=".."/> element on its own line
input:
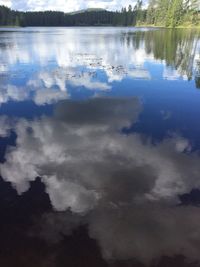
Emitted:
<point x="167" y="13"/>
<point x="173" y="13"/>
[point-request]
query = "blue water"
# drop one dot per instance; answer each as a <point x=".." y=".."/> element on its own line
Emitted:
<point x="108" y="120"/>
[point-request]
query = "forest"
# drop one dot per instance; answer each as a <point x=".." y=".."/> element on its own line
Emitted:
<point x="162" y="13"/>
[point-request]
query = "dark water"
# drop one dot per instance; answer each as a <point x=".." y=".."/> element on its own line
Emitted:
<point x="99" y="147"/>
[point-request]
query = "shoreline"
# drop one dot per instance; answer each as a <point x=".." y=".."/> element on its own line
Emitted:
<point x="163" y="27"/>
<point x="115" y="26"/>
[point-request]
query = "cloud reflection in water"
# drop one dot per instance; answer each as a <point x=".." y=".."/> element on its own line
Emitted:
<point x="123" y="186"/>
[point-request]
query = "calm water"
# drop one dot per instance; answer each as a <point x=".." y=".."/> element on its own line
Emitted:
<point x="99" y="147"/>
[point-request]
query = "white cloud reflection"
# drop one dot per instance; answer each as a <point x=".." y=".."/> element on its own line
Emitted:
<point x="57" y="58"/>
<point x="127" y="186"/>
<point x="76" y="62"/>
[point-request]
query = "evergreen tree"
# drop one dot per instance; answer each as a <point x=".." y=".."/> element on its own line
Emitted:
<point x="151" y="12"/>
<point x="170" y="13"/>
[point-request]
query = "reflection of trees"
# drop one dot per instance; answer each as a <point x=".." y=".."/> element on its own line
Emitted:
<point x="177" y="47"/>
<point x="197" y="75"/>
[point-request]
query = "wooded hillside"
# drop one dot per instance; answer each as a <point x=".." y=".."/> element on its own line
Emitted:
<point x="167" y="13"/>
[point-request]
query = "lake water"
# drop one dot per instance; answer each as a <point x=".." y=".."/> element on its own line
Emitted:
<point x="99" y="147"/>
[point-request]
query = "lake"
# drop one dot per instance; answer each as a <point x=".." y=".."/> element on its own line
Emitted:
<point x="99" y="147"/>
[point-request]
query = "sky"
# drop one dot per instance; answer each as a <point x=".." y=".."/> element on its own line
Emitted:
<point x="65" y="5"/>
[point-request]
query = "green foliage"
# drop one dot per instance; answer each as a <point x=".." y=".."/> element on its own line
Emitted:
<point x="173" y="13"/>
<point x="166" y="13"/>
<point x="90" y="17"/>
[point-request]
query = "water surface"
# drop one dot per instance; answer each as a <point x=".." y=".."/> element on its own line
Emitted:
<point x="99" y="147"/>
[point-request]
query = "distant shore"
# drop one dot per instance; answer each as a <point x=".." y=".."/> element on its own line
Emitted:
<point x="136" y="26"/>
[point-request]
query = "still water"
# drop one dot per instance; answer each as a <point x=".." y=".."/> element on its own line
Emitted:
<point x="99" y="147"/>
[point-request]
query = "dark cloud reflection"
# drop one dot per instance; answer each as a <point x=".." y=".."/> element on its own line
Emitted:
<point x="123" y="187"/>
